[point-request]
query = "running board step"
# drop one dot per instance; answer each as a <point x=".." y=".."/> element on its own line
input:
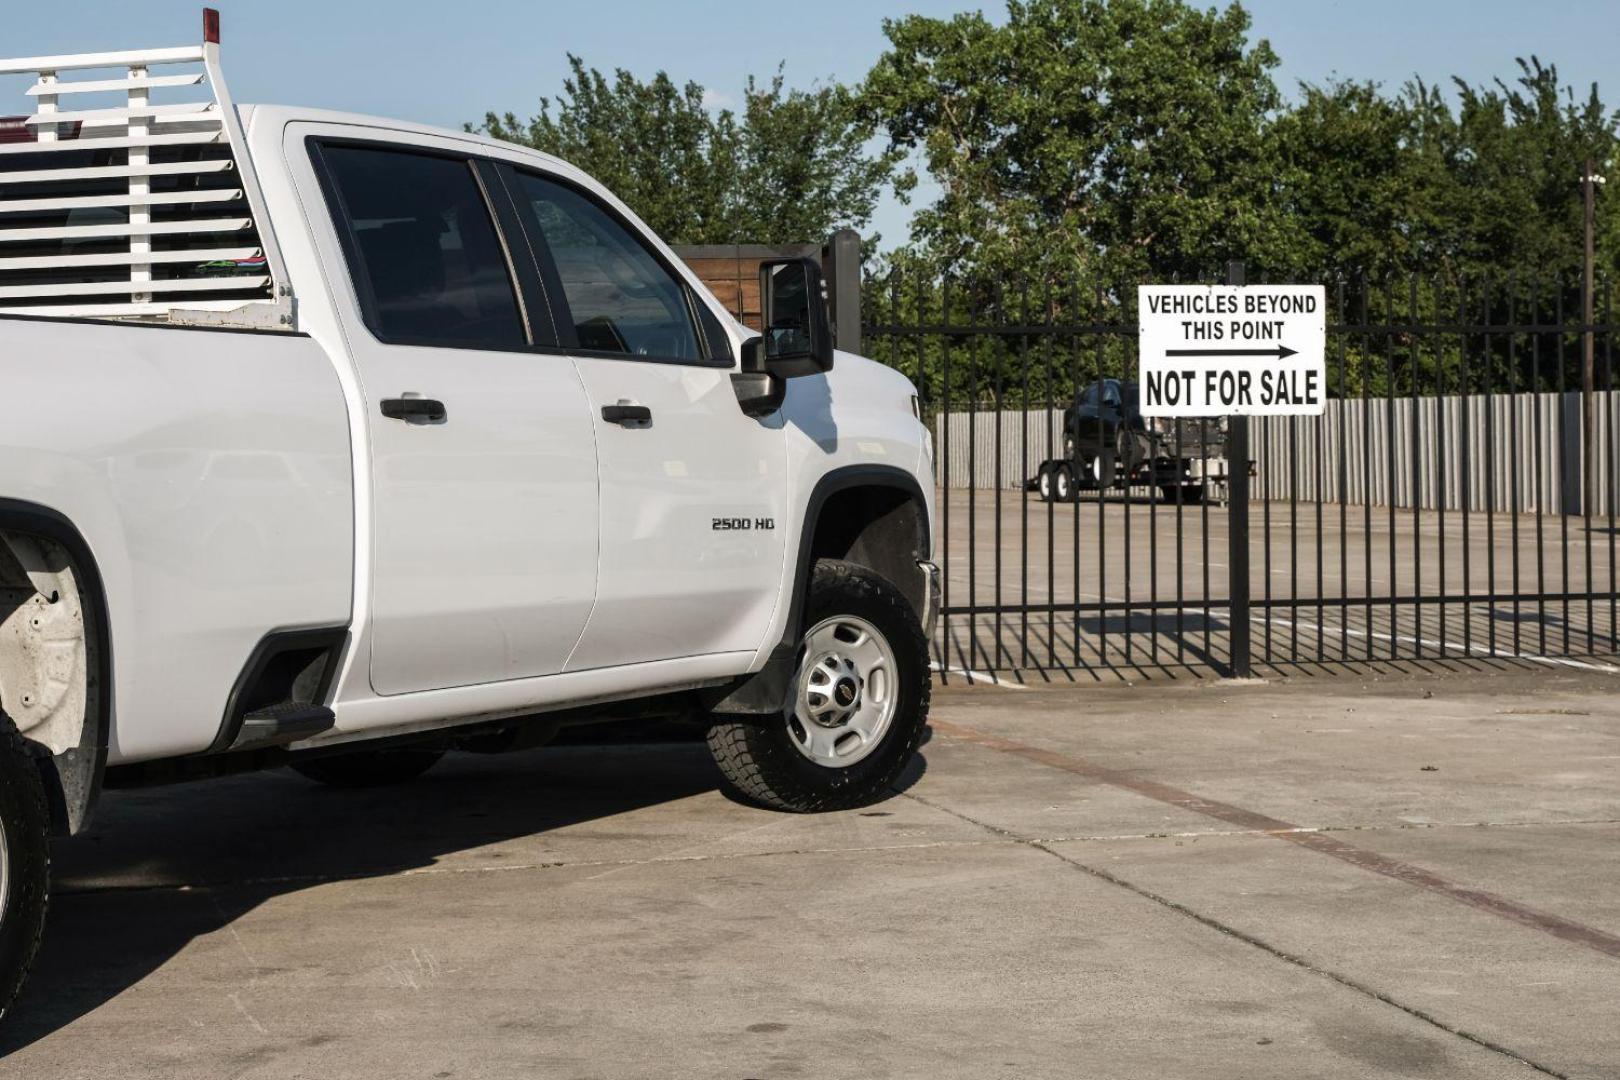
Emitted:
<point x="279" y="725"/>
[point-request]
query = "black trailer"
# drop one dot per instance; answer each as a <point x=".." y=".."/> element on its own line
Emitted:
<point x="1108" y="445"/>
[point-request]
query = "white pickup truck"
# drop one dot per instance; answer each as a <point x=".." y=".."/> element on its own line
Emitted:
<point x="338" y="443"/>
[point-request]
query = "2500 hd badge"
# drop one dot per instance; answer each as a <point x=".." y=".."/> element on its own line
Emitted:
<point x="731" y="524"/>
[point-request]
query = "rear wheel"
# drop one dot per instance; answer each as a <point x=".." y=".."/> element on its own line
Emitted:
<point x="859" y="704"/>
<point x="1063" y="484"/>
<point x="1044" y="483"/>
<point x="25" y="862"/>
<point x="369" y="768"/>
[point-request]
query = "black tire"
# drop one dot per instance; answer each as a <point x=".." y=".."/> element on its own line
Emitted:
<point x="369" y="768"/>
<point x="1043" y="483"/>
<point x="1063" y="485"/>
<point x="26" y="849"/>
<point x="1104" y="469"/>
<point x="759" y="761"/>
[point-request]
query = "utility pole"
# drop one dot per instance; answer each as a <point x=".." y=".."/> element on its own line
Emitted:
<point x="1589" y="442"/>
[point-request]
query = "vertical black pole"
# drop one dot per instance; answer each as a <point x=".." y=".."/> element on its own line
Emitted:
<point x="1589" y="432"/>
<point x="1237" y="471"/>
<point x="841" y="266"/>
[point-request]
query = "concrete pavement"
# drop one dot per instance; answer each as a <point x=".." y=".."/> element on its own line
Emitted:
<point x="1324" y="877"/>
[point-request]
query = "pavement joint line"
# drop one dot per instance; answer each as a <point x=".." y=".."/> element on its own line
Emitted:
<point x="1323" y="843"/>
<point x="626" y="864"/>
<point x="1252" y="940"/>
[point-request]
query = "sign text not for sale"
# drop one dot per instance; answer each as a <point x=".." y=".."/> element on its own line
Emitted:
<point x="1220" y="350"/>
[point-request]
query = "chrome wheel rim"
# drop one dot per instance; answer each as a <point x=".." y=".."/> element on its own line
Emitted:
<point x="846" y="692"/>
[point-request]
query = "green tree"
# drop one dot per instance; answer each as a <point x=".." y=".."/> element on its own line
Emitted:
<point x="1121" y="137"/>
<point x="792" y="168"/>
<point x="1355" y="179"/>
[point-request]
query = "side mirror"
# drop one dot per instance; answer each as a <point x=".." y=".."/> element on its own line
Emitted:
<point x="793" y="308"/>
<point x="759" y="390"/>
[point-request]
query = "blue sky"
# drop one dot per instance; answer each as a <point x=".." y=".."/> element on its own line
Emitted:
<point x="445" y="63"/>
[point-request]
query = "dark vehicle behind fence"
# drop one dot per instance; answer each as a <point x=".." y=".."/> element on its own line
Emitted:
<point x="1109" y="445"/>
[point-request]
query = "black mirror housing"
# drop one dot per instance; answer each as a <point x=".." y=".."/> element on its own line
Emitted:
<point x="793" y="309"/>
<point x="759" y="390"/>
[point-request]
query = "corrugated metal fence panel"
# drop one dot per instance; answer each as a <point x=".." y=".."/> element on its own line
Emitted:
<point x="1510" y="453"/>
<point x="995" y="449"/>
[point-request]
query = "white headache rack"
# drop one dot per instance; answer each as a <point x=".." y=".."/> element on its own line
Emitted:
<point x="116" y="205"/>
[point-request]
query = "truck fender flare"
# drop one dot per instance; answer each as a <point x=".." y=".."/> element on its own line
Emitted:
<point x="835" y="481"/>
<point x="766" y="691"/>
<point x="73" y="778"/>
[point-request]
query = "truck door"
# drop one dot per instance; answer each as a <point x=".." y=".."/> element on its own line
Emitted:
<point x="483" y="463"/>
<point x="693" y="492"/>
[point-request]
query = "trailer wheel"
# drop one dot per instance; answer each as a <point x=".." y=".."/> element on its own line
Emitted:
<point x="858" y="708"/>
<point x="25" y="862"/>
<point x="1063" y="485"/>
<point x="1104" y="469"/>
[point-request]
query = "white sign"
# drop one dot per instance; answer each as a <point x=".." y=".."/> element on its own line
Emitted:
<point x="1219" y="350"/>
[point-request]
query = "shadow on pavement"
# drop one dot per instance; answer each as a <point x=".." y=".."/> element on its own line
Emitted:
<point x="163" y="866"/>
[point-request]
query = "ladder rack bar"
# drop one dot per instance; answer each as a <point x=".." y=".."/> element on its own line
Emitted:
<point x="182" y="138"/>
<point x="161" y="198"/>
<point x="117" y="172"/>
<point x="157" y="228"/>
<point x="126" y="258"/>
<point x="120" y="117"/>
<point x="103" y="311"/>
<point x="96" y="86"/>
<point x="124" y="285"/>
<point x="185" y="54"/>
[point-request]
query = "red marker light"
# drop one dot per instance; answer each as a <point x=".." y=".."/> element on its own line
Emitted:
<point x="211" y="25"/>
<point x="15" y="129"/>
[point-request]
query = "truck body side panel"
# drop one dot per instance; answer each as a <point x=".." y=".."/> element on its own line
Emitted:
<point x="209" y="473"/>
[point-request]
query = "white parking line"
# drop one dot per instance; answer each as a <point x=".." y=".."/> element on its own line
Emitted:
<point x="980" y="676"/>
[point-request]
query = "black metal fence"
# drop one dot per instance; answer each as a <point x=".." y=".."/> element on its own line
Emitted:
<point x="1456" y="500"/>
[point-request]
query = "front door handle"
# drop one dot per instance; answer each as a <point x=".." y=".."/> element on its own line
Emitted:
<point x="414" y="410"/>
<point x="627" y="414"/>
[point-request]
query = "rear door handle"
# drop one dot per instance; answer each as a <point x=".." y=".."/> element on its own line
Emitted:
<point x="627" y="414"/>
<point x="414" y="410"/>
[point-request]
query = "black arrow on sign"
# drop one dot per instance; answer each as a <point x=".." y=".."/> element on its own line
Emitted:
<point x="1279" y="351"/>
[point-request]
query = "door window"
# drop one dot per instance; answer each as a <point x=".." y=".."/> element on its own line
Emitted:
<point x="422" y="249"/>
<point x="621" y="299"/>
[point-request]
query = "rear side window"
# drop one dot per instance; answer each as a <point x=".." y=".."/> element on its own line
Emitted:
<point x="422" y="249"/>
<point x="621" y="299"/>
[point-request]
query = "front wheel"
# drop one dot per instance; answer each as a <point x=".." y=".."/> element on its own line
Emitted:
<point x="25" y="862"/>
<point x="858" y="708"/>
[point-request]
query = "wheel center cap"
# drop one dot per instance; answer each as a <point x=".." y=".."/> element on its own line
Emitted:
<point x="844" y="693"/>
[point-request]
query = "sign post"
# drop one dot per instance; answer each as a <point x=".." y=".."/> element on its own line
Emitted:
<point x="1233" y="350"/>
